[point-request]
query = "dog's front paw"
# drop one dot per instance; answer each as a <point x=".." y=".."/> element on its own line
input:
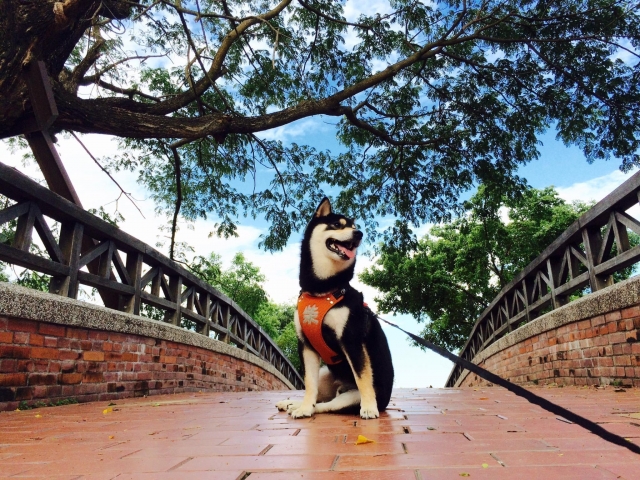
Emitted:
<point x="369" y="412"/>
<point x="285" y="405"/>
<point x="302" y="411"/>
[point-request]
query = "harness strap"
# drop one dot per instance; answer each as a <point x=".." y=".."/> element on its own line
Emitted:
<point x="522" y="392"/>
<point x="311" y="313"/>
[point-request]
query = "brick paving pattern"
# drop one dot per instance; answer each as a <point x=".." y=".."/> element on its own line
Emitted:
<point x="483" y="433"/>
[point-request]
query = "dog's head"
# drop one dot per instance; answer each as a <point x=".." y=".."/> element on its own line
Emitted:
<point x="328" y="250"/>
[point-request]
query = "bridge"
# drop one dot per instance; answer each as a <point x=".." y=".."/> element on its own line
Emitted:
<point x="193" y="394"/>
<point x="194" y="391"/>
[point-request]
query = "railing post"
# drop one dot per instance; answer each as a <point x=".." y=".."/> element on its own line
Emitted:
<point x="24" y="231"/>
<point x="205" y="303"/>
<point x="134" y="268"/>
<point x="525" y="297"/>
<point x="592" y="241"/>
<point x="104" y="268"/>
<point x="226" y="318"/>
<point x="70" y="246"/>
<point x="175" y="292"/>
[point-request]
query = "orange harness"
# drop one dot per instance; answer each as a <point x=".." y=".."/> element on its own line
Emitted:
<point x="311" y="313"/>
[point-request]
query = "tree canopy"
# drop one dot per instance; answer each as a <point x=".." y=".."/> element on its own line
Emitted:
<point x="428" y="97"/>
<point x="448" y="277"/>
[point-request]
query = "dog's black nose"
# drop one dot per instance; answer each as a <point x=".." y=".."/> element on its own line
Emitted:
<point x="357" y="235"/>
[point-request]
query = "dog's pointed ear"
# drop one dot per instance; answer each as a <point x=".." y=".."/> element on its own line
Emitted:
<point x="324" y="208"/>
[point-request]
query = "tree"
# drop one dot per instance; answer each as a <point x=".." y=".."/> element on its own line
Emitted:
<point x="447" y="278"/>
<point x="242" y="282"/>
<point x="429" y="98"/>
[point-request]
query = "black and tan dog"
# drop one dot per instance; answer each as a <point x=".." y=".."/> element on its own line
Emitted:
<point x="335" y="326"/>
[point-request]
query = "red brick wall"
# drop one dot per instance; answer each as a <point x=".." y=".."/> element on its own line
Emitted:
<point x="44" y="362"/>
<point x="595" y="351"/>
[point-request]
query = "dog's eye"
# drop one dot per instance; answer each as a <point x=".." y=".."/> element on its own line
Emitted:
<point x="337" y="225"/>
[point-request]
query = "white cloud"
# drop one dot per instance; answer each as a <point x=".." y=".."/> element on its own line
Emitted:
<point x="594" y="189"/>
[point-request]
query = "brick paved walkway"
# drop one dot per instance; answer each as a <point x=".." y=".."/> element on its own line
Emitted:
<point x="486" y="433"/>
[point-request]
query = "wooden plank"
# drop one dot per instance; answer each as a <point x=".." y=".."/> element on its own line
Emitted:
<point x="121" y="268"/>
<point x="134" y="271"/>
<point x="516" y="319"/>
<point x="541" y="303"/>
<point x="573" y="285"/>
<point x="13" y="212"/>
<point x="174" y="290"/>
<point x="621" y="235"/>
<point x="204" y="303"/>
<point x="51" y="166"/>
<point x="147" y="277"/>
<point x="194" y="317"/>
<point x="49" y="242"/>
<point x="606" y="243"/>
<point x="106" y="261"/>
<point x="43" y="103"/>
<point x="580" y="256"/>
<point x="93" y="253"/>
<point x="629" y="222"/>
<point x="29" y="260"/>
<point x="218" y="330"/>
<point x="619" y="262"/>
<point x="24" y="231"/>
<point x="101" y="282"/>
<point x="78" y="241"/>
<point x="166" y="290"/>
<point x="591" y="241"/>
<point x="621" y="199"/>
<point x="158" y="302"/>
<point x="187" y="295"/>
<point x="70" y="244"/>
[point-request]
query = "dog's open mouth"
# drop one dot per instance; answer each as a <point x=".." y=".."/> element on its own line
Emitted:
<point x="344" y="250"/>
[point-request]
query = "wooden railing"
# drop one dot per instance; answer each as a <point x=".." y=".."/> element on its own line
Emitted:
<point x="125" y="268"/>
<point x="583" y="256"/>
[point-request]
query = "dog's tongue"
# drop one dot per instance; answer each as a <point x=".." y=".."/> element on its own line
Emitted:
<point x="346" y="251"/>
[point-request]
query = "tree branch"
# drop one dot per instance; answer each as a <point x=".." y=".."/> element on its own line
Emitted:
<point x="108" y="174"/>
<point x="382" y="135"/>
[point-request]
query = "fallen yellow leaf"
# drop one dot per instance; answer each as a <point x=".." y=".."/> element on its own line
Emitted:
<point x="107" y="410"/>
<point x="362" y="440"/>
<point x="485" y="465"/>
<point x="110" y="437"/>
<point x="464" y="474"/>
<point x="38" y="416"/>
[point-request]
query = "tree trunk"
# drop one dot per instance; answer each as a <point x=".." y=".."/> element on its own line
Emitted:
<point x="44" y="30"/>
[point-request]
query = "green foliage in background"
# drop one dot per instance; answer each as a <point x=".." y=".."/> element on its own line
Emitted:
<point x="243" y="283"/>
<point x="448" y="277"/>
